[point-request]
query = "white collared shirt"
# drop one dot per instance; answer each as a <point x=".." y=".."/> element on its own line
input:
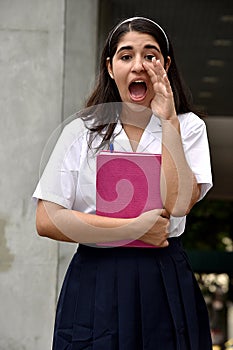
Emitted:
<point x="69" y="178"/>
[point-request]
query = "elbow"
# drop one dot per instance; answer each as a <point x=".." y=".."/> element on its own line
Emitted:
<point x="178" y="212"/>
<point x="181" y="206"/>
<point x="44" y="220"/>
<point x="177" y="208"/>
<point x="41" y="228"/>
<point x="180" y="209"/>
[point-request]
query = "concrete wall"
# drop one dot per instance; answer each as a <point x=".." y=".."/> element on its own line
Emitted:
<point x="79" y="78"/>
<point x="36" y="94"/>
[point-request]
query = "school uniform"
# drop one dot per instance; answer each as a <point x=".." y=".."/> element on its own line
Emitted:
<point x="126" y="298"/>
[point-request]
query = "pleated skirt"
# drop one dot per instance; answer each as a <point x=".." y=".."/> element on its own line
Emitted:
<point x="131" y="299"/>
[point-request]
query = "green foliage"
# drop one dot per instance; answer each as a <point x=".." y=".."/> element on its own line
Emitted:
<point x="209" y="226"/>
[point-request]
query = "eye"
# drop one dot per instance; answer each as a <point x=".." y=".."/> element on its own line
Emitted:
<point x="149" y="57"/>
<point x="125" y="57"/>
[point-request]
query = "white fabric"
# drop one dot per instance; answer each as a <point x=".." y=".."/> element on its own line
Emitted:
<point x="70" y="175"/>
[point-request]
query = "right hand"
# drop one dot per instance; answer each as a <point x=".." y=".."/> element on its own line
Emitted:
<point x="156" y="223"/>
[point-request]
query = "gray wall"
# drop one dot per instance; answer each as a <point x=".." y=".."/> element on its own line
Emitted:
<point x="79" y="66"/>
<point x="47" y="65"/>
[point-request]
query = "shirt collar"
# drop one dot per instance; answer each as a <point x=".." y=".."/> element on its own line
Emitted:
<point x="154" y="125"/>
<point x="121" y="141"/>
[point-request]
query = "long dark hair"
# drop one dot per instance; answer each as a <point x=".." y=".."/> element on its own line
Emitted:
<point x="104" y="116"/>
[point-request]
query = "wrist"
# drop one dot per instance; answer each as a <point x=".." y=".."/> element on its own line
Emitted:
<point x="135" y="228"/>
<point x="172" y="122"/>
<point x="173" y="118"/>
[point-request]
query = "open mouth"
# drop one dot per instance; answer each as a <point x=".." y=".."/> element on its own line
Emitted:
<point x="137" y="90"/>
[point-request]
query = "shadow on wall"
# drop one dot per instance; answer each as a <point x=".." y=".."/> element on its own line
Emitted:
<point x="6" y="257"/>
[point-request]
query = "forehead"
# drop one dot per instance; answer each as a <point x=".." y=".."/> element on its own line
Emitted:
<point x="134" y="38"/>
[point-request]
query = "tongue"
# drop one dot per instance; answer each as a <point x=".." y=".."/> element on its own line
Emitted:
<point x="137" y="90"/>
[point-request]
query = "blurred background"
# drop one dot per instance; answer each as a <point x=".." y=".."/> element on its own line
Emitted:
<point x="49" y="53"/>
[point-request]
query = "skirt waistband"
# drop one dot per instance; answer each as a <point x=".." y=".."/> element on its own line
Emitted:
<point x="175" y="246"/>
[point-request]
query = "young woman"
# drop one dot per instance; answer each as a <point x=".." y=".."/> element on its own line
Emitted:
<point x="125" y="298"/>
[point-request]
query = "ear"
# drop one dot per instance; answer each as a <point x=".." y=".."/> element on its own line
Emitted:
<point x="168" y="63"/>
<point x="109" y="67"/>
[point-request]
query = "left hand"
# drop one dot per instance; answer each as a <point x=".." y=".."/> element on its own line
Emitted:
<point x="162" y="104"/>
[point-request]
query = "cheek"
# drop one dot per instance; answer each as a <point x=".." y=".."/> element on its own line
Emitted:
<point x="119" y="72"/>
<point x="121" y="82"/>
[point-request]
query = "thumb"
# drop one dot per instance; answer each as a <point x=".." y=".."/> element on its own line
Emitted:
<point x="165" y="214"/>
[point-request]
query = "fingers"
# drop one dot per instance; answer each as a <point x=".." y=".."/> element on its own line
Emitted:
<point x="161" y="216"/>
<point x="159" y="69"/>
<point x="157" y="73"/>
<point x="165" y="214"/>
<point x="155" y="70"/>
<point x="160" y="212"/>
<point x="164" y="244"/>
<point x="158" y="232"/>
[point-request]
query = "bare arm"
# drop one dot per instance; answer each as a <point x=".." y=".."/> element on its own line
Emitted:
<point x="179" y="187"/>
<point x="56" y="222"/>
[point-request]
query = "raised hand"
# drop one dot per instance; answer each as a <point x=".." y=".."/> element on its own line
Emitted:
<point x="162" y="104"/>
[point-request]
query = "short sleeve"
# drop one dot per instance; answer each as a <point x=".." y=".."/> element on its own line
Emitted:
<point x="58" y="181"/>
<point x="196" y="148"/>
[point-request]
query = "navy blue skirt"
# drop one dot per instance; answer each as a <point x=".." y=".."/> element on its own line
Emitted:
<point x="131" y="299"/>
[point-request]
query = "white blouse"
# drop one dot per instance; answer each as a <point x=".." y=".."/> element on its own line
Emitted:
<point x="69" y="179"/>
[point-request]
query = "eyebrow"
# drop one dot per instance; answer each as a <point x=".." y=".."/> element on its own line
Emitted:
<point x="152" y="47"/>
<point x="129" y="47"/>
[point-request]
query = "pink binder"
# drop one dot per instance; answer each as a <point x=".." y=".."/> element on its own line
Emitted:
<point x="127" y="184"/>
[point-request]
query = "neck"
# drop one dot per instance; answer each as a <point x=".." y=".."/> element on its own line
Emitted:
<point x="135" y="115"/>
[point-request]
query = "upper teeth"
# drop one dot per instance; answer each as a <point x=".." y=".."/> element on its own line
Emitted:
<point x="138" y="81"/>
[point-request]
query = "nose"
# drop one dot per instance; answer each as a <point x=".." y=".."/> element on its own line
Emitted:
<point x="137" y="65"/>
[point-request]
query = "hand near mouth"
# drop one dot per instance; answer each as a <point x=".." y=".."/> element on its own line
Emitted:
<point x="162" y="104"/>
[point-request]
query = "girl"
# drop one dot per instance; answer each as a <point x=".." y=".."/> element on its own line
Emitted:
<point x="125" y="298"/>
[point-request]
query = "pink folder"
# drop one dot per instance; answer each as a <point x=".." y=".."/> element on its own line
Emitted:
<point x="127" y="184"/>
